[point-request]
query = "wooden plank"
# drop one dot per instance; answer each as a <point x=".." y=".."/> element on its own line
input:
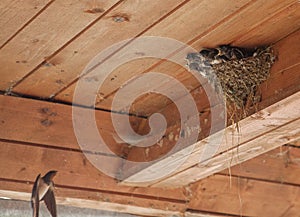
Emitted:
<point x="221" y="35"/>
<point x="201" y="214"/>
<point x="238" y="23"/>
<point x="70" y="62"/>
<point x="191" y="15"/>
<point x="124" y="205"/>
<point x="251" y="127"/>
<point x="273" y="90"/>
<point x="44" y="36"/>
<point x="273" y="29"/>
<point x="148" y="106"/>
<point x="23" y="162"/>
<point x="296" y="143"/>
<point x="244" y="152"/>
<point x="244" y="197"/>
<point x="284" y="49"/>
<point x="280" y="165"/>
<point x="51" y="124"/>
<point x="16" y="14"/>
<point x="217" y="194"/>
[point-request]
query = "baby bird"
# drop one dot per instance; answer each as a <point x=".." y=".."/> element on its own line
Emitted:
<point x="228" y="52"/>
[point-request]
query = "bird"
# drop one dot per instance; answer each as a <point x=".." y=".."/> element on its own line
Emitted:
<point x="228" y="52"/>
<point x="43" y="191"/>
<point x="199" y="63"/>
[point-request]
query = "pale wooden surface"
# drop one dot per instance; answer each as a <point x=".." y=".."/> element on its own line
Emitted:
<point x="16" y="14"/>
<point x="44" y="45"/>
<point x="245" y="197"/>
<point x="285" y="69"/>
<point x="282" y="135"/>
<point x="100" y="36"/>
<point x="251" y="130"/>
<point x="278" y="165"/>
<point x="43" y="37"/>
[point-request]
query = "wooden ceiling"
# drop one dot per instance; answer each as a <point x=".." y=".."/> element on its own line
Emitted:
<point x="46" y="44"/>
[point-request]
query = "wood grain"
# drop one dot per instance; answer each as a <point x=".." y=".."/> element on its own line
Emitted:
<point x="245" y="197"/>
<point x="15" y="15"/>
<point x="44" y="36"/>
<point x="239" y="25"/>
<point x="251" y="127"/>
<point x="231" y="28"/>
<point x="187" y="15"/>
<point x="23" y="162"/>
<point x="95" y="200"/>
<point x="51" y="124"/>
<point x="67" y="65"/>
<point x="280" y="165"/>
<point x="272" y="90"/>
<point x="190" y="24"/>
<point x="238" y="22"/>
<point x="273" y="29"/>
<point x="259" y="145"/>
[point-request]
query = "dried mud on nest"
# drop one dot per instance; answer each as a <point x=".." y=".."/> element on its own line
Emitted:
<point x="238" y="78"/>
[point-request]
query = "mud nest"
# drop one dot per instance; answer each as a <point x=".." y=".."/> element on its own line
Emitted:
<point x="237" y="71"/>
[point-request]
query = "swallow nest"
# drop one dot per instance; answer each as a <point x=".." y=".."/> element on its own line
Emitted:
<point x="238" y="71"/>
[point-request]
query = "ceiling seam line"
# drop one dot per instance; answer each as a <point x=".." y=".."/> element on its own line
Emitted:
<point x="26" y="24"/>
<point x="10" y="89"/>
<point x="218" y="154"/>
<point x="279" y="11"/>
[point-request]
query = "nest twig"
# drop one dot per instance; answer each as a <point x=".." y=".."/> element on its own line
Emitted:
<point x="240" y="78"/>
<point x="238" y="72"/>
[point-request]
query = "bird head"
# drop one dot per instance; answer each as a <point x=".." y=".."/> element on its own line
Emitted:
<point x="49" y="176"/>
<point x="223" y="49"/>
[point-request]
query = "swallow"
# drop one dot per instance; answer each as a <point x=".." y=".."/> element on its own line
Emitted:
<point x="209" y="53"/>
<point x="43" y="190"/>
<point x="229" y="52"/>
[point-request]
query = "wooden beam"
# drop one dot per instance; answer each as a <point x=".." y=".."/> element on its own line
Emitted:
<point x="202" y="214"/>
<point x="282" y="115"/>
<point x="77" y="178"/>
<point x="271" y="29"/>
<point x="244" y="197"/>
<point x="273" y="90"/>
<point x="259" y="145"/>
<point x="281" y="165"/>
<point x="94" y="204"/>
<point x="296" y="143"/>
<point x="50" y="124"/>
<point x="29" y="146"/>
<point x="216" y="196"/>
